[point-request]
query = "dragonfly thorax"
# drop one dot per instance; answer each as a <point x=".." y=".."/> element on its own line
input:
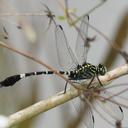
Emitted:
<point x="87" y="71"/>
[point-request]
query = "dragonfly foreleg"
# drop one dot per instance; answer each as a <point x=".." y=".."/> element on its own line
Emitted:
<point x="99" y="80"/>
<point x="65" y="87"/>
<point x="88" y="86"/>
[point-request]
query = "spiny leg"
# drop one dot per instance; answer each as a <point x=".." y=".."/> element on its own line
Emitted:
<point x="90" y="82"/>
<point x="65" y="87"/>
<point x="99" y="80"/>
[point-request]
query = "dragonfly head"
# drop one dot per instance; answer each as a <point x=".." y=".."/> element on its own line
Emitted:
<point x="101" y="69"/>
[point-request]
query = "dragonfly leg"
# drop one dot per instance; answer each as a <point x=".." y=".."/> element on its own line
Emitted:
<point x="65" y="88"/>
<point x="99" y="80"/>
<point x="88" y="86"/>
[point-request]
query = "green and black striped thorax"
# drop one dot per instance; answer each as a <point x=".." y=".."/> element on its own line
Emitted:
<point x="87" y="71"/>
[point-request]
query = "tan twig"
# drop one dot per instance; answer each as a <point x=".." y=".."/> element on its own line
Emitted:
<point x="42" y="106"/>
<point x="23" y="14"/>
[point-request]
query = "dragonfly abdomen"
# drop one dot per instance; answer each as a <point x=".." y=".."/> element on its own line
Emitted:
<point x="11" y="80"/>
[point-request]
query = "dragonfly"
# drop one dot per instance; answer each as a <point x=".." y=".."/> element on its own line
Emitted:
<point x="79" y="71"/>
<point x="75" y="68"/>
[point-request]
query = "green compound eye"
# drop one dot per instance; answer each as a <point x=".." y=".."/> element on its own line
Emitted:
<point x="102" y="69"/>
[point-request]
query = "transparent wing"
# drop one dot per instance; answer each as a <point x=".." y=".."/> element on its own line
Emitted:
<point x="82" y="40"/>
<point x="84" y="110"/>
<point x="110" y="108"/>
<point x="88" y="117"/>
<point x="67" y="59"/>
